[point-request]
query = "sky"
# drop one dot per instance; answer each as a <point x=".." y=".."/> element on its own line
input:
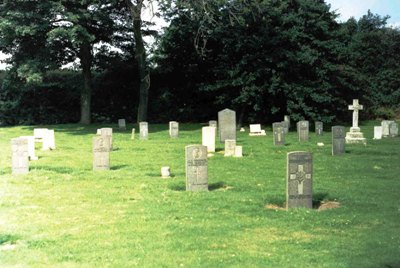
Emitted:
<point x="350" y="8"/>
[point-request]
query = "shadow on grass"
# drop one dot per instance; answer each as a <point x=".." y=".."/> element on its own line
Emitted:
<point x="118" y="167"/>
<point x="392" y="265"/>
<point x="181" y="186"/>
<point x="60" y="170"/>
<point x="278" y="202"/>
<point x="317" y="199"/>
<point x="7" y="238"/>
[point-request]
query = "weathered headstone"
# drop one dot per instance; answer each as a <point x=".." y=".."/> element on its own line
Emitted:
<point x="122" y="124"/>
<point x="238" y="151"/>
<point x="133" y="134"/>
<point x="196" y="168"/>
<point x="227" y="125"/>
<point x="208" y="138"/>
<point x="385" y="127"/>
<point x="255" y="130"/>
<point x="173" y="129"/>
<point x="377" y="132"/>
<point x="144" y="130"/>
<point x="285" y="125"/>
<point x="299" y="180"/>
<point x="319" y="128"/>
<point x="20" y="156"/>
<point x="393" y="129"/>
<point x="303" y="130"/>
<point x="230" y="147"/>
<point x="279" y="133"/>
<point x="213" y="123"/>
<point x="338" y="140"/>
<point x="101" y="153"/>
<point x="31" y="147"/>
<point x="286" y="118"/>
<point x="355" y="135"/>
<point x="107" y="132"/>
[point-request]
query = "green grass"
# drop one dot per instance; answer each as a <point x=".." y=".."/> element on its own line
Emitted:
<point x="63" y="214"/>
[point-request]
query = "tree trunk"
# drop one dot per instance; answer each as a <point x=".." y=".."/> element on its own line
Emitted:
<point x="140" y="56"/>
<point x="85" y="56"/>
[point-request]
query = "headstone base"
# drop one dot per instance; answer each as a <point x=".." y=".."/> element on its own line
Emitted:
<point x="355" y="137"/>
<point x="262" y="133"/>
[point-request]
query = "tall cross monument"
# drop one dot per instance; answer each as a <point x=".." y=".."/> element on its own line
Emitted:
<point x="355" y="135"/>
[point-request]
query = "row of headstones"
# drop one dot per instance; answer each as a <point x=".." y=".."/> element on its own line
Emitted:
<point x="388" y="128"/>
<point x="144" y="129"/>
<point x="23" y="149"/>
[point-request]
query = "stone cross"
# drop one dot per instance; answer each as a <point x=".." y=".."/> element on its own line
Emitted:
<point x="355" y="108"/>
<point x="300" y="176"/>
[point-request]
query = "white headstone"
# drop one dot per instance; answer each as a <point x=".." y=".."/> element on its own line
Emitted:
<point x="208" y="138"/>
<point x="255" y="130"/>
<point x="173" y="129"/>
<point x="133" y="134"/>
<point x="165" y="172"/>
<point x="238" y="151"/>
<point x="355" y="135"/>
<point x="385" y="127"/>
<point x="19" y="157"/>
<point x="230" y="147"/>
<point x="31" y="147"/>
<point x="377" y="132"/>
<point x="144" y="130"/>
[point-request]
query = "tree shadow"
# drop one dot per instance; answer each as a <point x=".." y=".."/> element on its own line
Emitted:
<point x="216" y="186"/>
<point x="118" y="167"/>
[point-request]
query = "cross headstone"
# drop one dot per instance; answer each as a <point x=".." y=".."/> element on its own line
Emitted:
<point x="299" y="180"/>
<point x="144" y="130"/>
<point x="385" y="127"/>
<point x="208" y="138"/>
<point x="173" y="129"/>
<point x="319" y="128"/>
<point x="230" y="147"/>
<point x="20" y="156"/>
<point x="393" y="129"/>
<point x="122" y="124"/>
<point x="31" y="147"/>
<point x="303" y="130"/>
<point x="285" y="125"/>
<point x="355" y="135"/>
<point x="377" y="132"/>
<point x="227" y="125"/>
<point x="101" y="153"/>
<point x="338" y="140"/>
<point x="355" y="108"/>
<point x="279" y="133"/>
<point x="196" y="168"/>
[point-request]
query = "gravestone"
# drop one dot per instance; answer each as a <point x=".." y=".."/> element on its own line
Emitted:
<point x="133" y="134"/>
<point x="230" y="147"/>
<point x="255" y="130"/>
<point x="238" y="151"/>
<point x="122" y="124"/>
<point x="107" y="132"/>
<point x="355" y="135"/>
<point x="319" y="128"/>
<point x="31" y="147"/>
<point x="338" y="140"/>
<point x="393" y="129"/>
<point x="51" y="139"/>
<point x="385" y="127"/>
<point x="196" y="168"/>
<point x="285" y="125"/>
<point x="39" y="134"/>
<point x="299" y="180"/>
<point x="208" y="138"/>
<point x="101" y="153"/>
<point x="20" y="156"/>
<point x="286" y="118"/>
<point x="377" y="132"/>
<point x="303" y="130"/>
<point x="279" y="133"/>
<point x="173" y="129"/>
<point x="213" y="123"/>
<point x="165" y="172"/>
<point x="227" y="125"/>
<point x="144" y="130"/>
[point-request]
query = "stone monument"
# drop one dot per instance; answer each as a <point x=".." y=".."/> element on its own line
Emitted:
<point x="20" y="156"/>
<point x="385" y="127"/>
<point x="355" y="135"/>
<point x="173" y="129"/>
<point x="230" y="147"/>
<point x="101" y="153"/>
<point x="279" y="133"/>
<point x="319" y="128"/>
<point x="208" y="138"/>
<point x="338" y="140"/>
<point x="303" y="130"/>
<point x="196" y="168"/>
<point x="377" y="132"/>
<point x="393" y="129"/>
<point x="31" y="147"/>
<point x="144" y="130"/>
<point x="122" y="124"/>
<point x="227" y="125"/>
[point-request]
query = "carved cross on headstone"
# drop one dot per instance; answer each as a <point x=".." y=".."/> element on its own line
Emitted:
<point x="300" y="176"/>
<point x="355" y="108"/>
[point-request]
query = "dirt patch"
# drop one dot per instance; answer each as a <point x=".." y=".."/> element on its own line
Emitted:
<point x="328" y="205"/>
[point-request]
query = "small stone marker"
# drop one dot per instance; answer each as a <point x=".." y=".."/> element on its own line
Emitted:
<point x="355" y="135"/>
<point x="242" y="129"/>
<point x="286" y="118"/>
<point x="385" y="127"/>
<point x="51" y="139"/>
<point x="338" y="140"/>
<point x="285" y="125"/>
<point x="393" y="129"/>
<point x="230" y="147"/>
<point x="101" y="153"/>
<point x="208" y="138"/>
<point x="39" y="134"/>
<point x="303" y="130"/>
<point x="31" y="147"/>
<point x="165" y="172"/>
<point x="255" y="130"/>
<point x="299" y="180"/>
<point x="133" y="134"/>
<point x="377" y="132"/>
<point x="279" y="133"/>
<point x="319" y="128"/>
<point x="227" y="125"/>
<point x="20" y="156"/>
<point x="238" y="151"/>
<point x="196" y="168"/>
<point x="144" y="130"/>
<point x="173" y="129"/>
<point x="213" y="123"/>
<point x="122" y="124"/>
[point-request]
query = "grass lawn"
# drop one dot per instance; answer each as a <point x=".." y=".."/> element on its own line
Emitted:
<point x="63" y="214"/>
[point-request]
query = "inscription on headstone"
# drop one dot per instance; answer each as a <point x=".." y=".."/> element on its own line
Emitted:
<point x="208" y="138"/>
<point x="101" y="153"/>
<point x="299" y="180"/>
<point x="173" y="129"/>
<point x="279" y="133"/>
<point x="393" y="129"/>
<point x="230" y="147"/>
<point x="122" y="124"/>
<point x="144" y="130"/>
<point x="20" y="156"/>
<point x="319" y="128"/>
<point x="227" y="125"/>
<point x="196" y="168"/>
<point x="303" y="130"/>
<point x="338" y="140"/>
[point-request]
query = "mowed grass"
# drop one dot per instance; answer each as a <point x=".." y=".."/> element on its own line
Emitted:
<point x="63" y="214"/>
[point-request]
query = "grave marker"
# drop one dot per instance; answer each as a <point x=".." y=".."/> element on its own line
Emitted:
<point x="286" y="118"/>
<point x="31" y="147"/>
<point x="133" y="134"/>
<point x="196" y="168"/>
<point x="355" y="135"/>
<point x="255" y="130"/>
<point x="208" y="138"/>
<point x="20" y="156"/>
<point x="107" y="132"/>
<point x="230" y="147"/>
<point x="144" y="130"/>
<point x="213" y="123"/>
<point x="319" y="128"/>
<point x="385" y="127"/>
<point x="303" y="130"/>
<point x="279" y="133"/>
<point x="393" y="129"/>
<point x="101" y="153"/>
<point x="227" y="125"/>
<point x="377" y="132"/>
<point x="285" y="125"/>
<point x="122" y="124"/>
<point x="238" y="151"/>
<point x="173" y="129"/>
<point x="338" y="140"/>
